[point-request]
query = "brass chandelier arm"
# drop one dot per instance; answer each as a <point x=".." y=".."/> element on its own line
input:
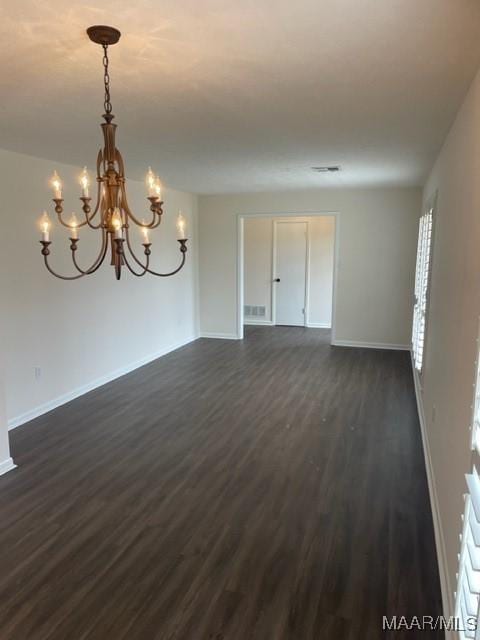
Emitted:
<point x="97" y="262"/>
<point x="59" y="211"/>
<point x="86" y="201"/>
<point x="132" y="252"/>
<point x="151" y="225"/>
<point x="57" y="275"/>
<point x="119" y="160"/>
<point x="132" y="270"/>
<point x="155" y="209"/>
<point x="46" y="253"/>
<point x="183" y="249"/>
<point x="86" y="207"/>
<point x="73" y="246"/>
<point x="67" y="225"/>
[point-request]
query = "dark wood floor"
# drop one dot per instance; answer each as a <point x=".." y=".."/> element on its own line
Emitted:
<point x="269" y="489"/>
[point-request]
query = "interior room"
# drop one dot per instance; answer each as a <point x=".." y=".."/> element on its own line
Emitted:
<point x="240" y="320"/>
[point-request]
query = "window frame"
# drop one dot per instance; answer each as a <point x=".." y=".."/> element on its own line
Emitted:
<point x="423" y="277"/>
<point x="475" y="420"/>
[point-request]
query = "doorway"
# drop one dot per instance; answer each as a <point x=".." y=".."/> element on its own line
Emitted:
<point x="287" y="270"/>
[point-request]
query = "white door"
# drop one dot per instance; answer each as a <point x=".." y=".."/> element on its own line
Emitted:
<point x="290" y="272"/>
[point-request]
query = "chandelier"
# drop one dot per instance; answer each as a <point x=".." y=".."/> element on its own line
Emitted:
<point x="111" y="216"/>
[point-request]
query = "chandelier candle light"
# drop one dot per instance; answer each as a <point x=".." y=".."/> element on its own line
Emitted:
<point x="111" y="216"/>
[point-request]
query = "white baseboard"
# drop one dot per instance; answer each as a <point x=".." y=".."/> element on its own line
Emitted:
<point x="318" y="325"/>
<point x="371" y="345"/>
<point x="219" y="336"/>
<point x="447" y="593"/>
<point x="98" y="382"/>
<point x="267" y="323"/>
<point x="6" y="466"/>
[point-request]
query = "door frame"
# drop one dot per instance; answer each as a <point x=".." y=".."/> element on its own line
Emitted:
<point x="240" y="260"/>
<point x="273" y="293"/>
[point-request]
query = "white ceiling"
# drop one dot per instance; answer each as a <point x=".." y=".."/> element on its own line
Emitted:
<point x="242" y="95"/>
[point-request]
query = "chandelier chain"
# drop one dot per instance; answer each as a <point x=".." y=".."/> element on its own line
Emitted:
<point x="106" y="80"/>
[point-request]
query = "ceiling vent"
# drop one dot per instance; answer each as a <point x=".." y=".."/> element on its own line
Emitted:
<point x="327" y="169"/>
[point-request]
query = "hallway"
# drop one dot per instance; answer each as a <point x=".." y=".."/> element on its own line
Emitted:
<point x="266" y="489"/>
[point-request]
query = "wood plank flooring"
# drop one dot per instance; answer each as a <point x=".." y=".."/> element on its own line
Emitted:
<point x="270" y="489"/>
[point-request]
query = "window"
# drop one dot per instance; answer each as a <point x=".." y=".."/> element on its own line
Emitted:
<point x="422" y="278"/>
<point x="476" y="407"/>
<point x="468" y="587"/>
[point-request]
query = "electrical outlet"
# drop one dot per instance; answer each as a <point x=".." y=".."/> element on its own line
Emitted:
<point x="38" y="373"/>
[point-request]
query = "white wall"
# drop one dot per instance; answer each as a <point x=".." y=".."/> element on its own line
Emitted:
<point x="257" y="261"/>
<point x="258" y="271"/>
<point x="4" y="447"/>
<point x="88" y="330"/>
<point x="322" y="245"/>
<point x="451" y="348"/>
<point x="6" y="462"/>
<point x="377" y="245"/>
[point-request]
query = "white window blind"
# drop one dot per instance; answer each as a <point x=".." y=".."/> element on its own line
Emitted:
<point x="468" y="586"/>
<point x="422" y="278"/>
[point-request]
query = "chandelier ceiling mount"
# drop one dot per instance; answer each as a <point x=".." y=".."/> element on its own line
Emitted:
<point x="101" y="34"/>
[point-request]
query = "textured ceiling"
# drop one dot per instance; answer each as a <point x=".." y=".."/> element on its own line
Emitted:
<point x="229" y="95"/>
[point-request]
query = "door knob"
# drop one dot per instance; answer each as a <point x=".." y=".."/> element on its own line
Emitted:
<point x="277" y="280"/>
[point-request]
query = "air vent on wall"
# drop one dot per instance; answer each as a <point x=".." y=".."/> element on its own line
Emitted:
<point x="253" y="311"/>
<point x="328" y="169"/>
